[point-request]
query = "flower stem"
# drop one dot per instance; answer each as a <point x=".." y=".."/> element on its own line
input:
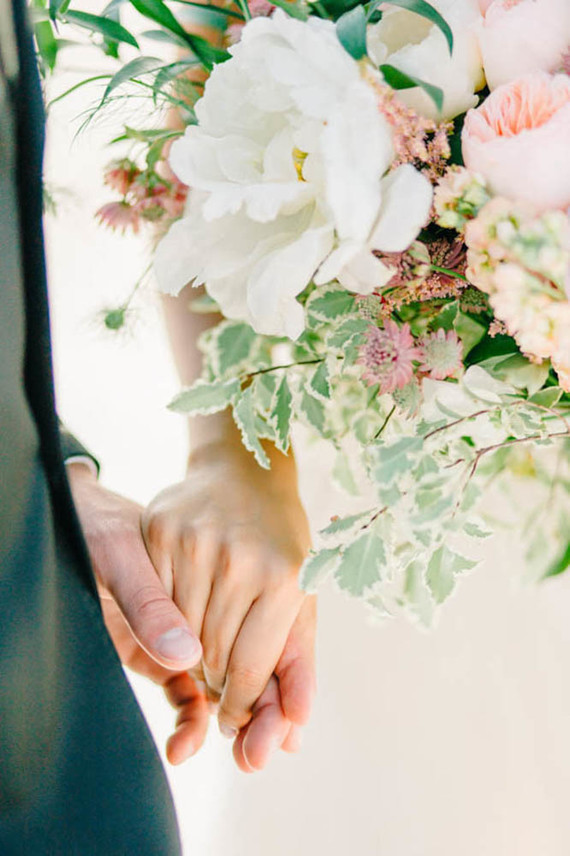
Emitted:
<point x="448" y="272"/>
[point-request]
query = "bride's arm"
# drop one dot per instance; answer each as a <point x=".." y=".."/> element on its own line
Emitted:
<point x="229" y="541"/>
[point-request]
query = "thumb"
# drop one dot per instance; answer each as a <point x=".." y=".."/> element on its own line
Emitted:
<point x="154" y="619"/>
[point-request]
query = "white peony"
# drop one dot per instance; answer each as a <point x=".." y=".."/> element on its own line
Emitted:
<point x="417" y="47"/>
<point x="287" y="163"/>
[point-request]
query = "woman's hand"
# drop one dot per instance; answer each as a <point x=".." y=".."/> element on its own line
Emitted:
<point x="228" y="543"/>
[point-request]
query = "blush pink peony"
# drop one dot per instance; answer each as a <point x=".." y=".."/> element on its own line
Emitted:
<point x="517" y="37"/>
<point x="519" y="140"/>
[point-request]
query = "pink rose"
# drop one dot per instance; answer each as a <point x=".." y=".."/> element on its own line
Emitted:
<point x="520" y="36"/>
<point x="519" y="140"/>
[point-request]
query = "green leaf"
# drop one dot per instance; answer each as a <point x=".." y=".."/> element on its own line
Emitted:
<point x="475" y="530"/>
<point x="205" y="398"/>
<point x="159" y="12"/>
<point x="169" y="73"/>
<point x="97" y="24"/>
<point x="394" y="459"/>
<point x="470" y="332"/>
<point x="215" y="10"/>
<point x="319" y="383"/>
<point x="282" y="411"/>
<point x="203" y="305"/>
<point x="57" y="6"/>
<point x="426" y="10"/>
<point x="329" y="303"/>
<point x="491" y="347"/>
<point x="417" y="593"/>
<point x="361" y="565"/>
<point x="317" y="567"/>
<point x="293" y="9"/>
<point x="548" y="397"/>
<point x="343" y="475"/>
<point x="244" y="416"/>
<point x="135" y="68"/>
<point x="400" y="80"/>
<point x="233" y="342"/>
<point x="561" y="564"/>
<point x="445" y="318"/>
<point x="163" y="36"/>
<point x="47" y="43"/>
<point x="313" y="411"/>
<point x="344" y="525"/>
<point x="351" y="32"/>
<point x="348" y="332"/>
<point x="444" y="566"/>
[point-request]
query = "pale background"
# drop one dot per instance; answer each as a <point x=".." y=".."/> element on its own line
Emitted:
<point x="421" y="745"/>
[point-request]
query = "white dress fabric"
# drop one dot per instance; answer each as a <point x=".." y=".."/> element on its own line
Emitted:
<point x="443" y="743"/>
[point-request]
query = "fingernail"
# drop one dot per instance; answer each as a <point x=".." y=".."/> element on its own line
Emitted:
<point x="228" y="731"/>
<point x="178" y="644"/>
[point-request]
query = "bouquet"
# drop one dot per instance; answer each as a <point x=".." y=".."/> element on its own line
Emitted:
<point x="379" y="207"/>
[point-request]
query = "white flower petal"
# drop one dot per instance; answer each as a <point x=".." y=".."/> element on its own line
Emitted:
<point x="357" y="151"/>
<point x="406" y="203"/>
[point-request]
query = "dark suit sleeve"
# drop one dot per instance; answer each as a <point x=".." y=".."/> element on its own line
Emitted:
<point x="72" y="448"/>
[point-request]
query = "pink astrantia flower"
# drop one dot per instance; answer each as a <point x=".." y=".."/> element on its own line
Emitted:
<point x="119" y="215"/>
<point x="441" y="353"/>
<point x="388" y="356"/>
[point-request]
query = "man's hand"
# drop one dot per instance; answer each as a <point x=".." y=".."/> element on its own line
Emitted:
<point x="228" y="543"/>
<point x="150" y="634"/>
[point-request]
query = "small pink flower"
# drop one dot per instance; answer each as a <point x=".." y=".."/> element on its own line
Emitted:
<point x="119" y="215"/>
<point x="120" y="175"/>
<point x="442" y="354"/>
<point x="257" y="9"/>
<point x="388" y="356"/>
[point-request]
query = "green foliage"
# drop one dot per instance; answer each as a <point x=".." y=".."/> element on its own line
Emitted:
<point x="400" y="80"/>
<point x="443" y="568"/>
<point x="318" y="567"/>
<point x="361" y="564"/>
<point x="351" y="32"/>
<point x="282" y="414"/>
<point x="244" y="416"/>
<point x="330" y="303"/>
<point x="98" y="24"/>
<point x="205" y="398"/>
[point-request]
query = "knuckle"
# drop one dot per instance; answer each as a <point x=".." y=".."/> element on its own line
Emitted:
<point x="157" y="530"/>
<point x="215" y="665"/>
<point x="150" y="602"/>
<point x="247" y="678"/>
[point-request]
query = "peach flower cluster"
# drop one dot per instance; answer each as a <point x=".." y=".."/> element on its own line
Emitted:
<point x="521" y="259"/>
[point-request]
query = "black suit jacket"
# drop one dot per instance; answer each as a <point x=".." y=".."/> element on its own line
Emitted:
<point x="79" y="772"/>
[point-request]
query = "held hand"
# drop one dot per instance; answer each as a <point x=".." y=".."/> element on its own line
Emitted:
<point x="228" y="542"/>
<point x="149" y="632"/>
